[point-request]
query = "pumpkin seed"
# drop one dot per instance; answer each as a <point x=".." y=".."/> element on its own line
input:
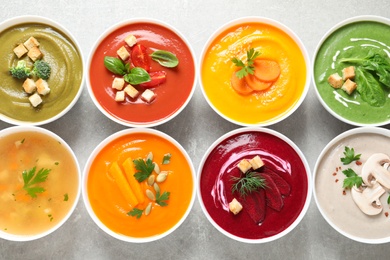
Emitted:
<point x="151" y="179"/>
<point x="150" y="195"/>
<point x="161" y="177"/>
<point x="156" y="187"/>
<point x="156" y="168"/>
<point x="148" y="209"/>
<point x="149" y="156"/>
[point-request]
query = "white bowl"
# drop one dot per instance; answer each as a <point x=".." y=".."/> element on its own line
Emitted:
<point x="348" y="104"/>
<point x="132" y="146"/>
<point x="224" y="154"/>
<point x="30" y="19"/>
<point x="106" y="103"/>
<point x="239" y="102"/>
<point x="339" y="209"/>
<point x="26" y="129"/>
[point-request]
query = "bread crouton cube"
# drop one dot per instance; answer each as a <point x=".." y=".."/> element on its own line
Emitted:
<point x="42" y="87"/>
<point x="131" y="40"/>
<point x="148" y="95"/>
<point x="349" y="86"/>
<point x="20" y="50"/>
<point x="335" y="80"/>
<point x="31" y="42"/>
<point x="123" y="53"/>
<point x="235" y="206"/>
<point x="29" y="86"/>
<point x="256" y="162"/>
<point x="34" y="53"/>
<point x="131" y="91"/>
<point x="35" y="99"/>
<point x="120" y="96"/>
<point x="118" y="83"/>
<point x="244" y="165"/>
<point x="349" y="73"/>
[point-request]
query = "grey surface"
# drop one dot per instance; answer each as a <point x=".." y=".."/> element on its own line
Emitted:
<point x="310" y="127"/>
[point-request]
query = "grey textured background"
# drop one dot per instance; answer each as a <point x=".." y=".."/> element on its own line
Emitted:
<point x="310" y="127"/>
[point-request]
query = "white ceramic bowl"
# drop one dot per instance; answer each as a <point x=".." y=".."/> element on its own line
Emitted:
<point x="124" y="143"/>
<point x="33" y="129"/>
<point x="171" y="97"/>
<point x="219" y="163"/>
<point x="222" y="97"/>
<point x="335" y="202"/>
<point x="350" y="109"/>
<point x="33" y="119"/>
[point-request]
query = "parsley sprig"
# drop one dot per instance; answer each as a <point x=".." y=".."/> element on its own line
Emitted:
<point x="144" y="169"/>
<point x="135" y="212"/>
<point x="31" y="179"/>
<point x="247" y="68"/>
<point x="249" y="183"/>
<point x="350" y="156"/>
<point x="352" y="179"/>
<point x="161" y="199"/>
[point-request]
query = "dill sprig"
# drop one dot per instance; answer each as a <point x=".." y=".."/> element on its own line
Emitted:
<point x="248" y="183"/>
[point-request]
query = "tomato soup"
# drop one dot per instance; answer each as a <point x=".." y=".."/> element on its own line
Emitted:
<point x="171" y="96"/>
<point x="30" y="207"/>
<point x="109" y="203"/>
<point x="260" y="107"/>
<point x="220" y="165"/>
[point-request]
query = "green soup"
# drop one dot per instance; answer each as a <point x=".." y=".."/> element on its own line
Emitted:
<point x="354" y="39"/>
<point x="64" y="82"/>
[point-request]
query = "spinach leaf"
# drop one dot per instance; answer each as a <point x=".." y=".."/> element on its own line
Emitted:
<point x="369" y="88"/>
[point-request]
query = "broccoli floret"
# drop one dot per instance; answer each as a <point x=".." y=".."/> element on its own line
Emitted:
<point x="41" y="69"/>
<point x="20" y="71"/>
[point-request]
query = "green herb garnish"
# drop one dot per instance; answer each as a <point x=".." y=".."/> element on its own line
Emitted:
<point x="166" y="158"/>
<point x="249" y="183"/>
<point x="246" y="68"/>
<point x="369" y="88"/>
<point x="144" y="169"/>
<point x="165" y="58"/>
<point x="137" y="76"/>
<point x="115" y="65"/>
<point x="66" y="197"/>
<point x="31" y="179"/>
<point x="162" y="199"/>
<point x="352" y="179"/>
<point x="135" y="212"/>
<point x="350" y="156"/>
<point x="388" y="199"/>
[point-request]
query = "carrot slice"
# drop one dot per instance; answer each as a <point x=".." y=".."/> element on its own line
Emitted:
<point x="239" y="85"/>
<point x="128" y="166"/>
<point x="122" y="183"/>
<point x="256" y="84"/>
<point x="266" y="70"/>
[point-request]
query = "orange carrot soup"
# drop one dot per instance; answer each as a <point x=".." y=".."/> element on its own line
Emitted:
<point x="140" y="185"/>
<point x="39" y="183"/>
<point x="269" y="92"/>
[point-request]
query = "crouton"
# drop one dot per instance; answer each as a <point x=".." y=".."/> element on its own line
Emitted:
<point x="20" y="50"/>
<point x="335" y="80"/>
<point x="349" y="86"/>
<point x="256" y="162"/>
<point x="349" y="73"/>
<point x="31" y="42"/>
<point x="34" y="53"/>
<point x="118" y="83"/>
<point x="131" y="91"/>
<point x="235" y="206"/>
<point x="120" y="96"/>
<point x="35" y="99"/>
<point x="123" y="53"/>
<point x="29" y="86"/>
<point x="131" y="40"/>
<point x="148" y="95"/>
<point x="244" y="165"/>
<point x="42" y="87"/>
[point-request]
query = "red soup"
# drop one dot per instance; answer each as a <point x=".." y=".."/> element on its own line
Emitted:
<point x="216" y="184"/>
<point x="170" y="96"/>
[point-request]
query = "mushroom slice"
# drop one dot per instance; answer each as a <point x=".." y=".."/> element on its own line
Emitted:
<point x="368" y="199"/>
<point x="373" y="169"/>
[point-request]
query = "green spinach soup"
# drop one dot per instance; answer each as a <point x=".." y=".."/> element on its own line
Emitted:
<point x="65" y="61"/>
<point x="363" y="46"/>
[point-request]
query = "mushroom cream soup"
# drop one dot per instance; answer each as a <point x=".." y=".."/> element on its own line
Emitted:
<point x="31" y="204"/>
<point x="336" y="202"/>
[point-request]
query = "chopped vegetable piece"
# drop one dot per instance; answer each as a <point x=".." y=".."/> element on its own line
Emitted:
<point x="128" y="166"/>
<point x="266" y="70"/>
<point x="122" y="183"/>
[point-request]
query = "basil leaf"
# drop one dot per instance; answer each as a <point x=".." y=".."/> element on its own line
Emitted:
<point x="137" y="76"/>
<point x="369" y="88"/>
<point x="114" y="65"/>
<point x="165" y="58"/>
